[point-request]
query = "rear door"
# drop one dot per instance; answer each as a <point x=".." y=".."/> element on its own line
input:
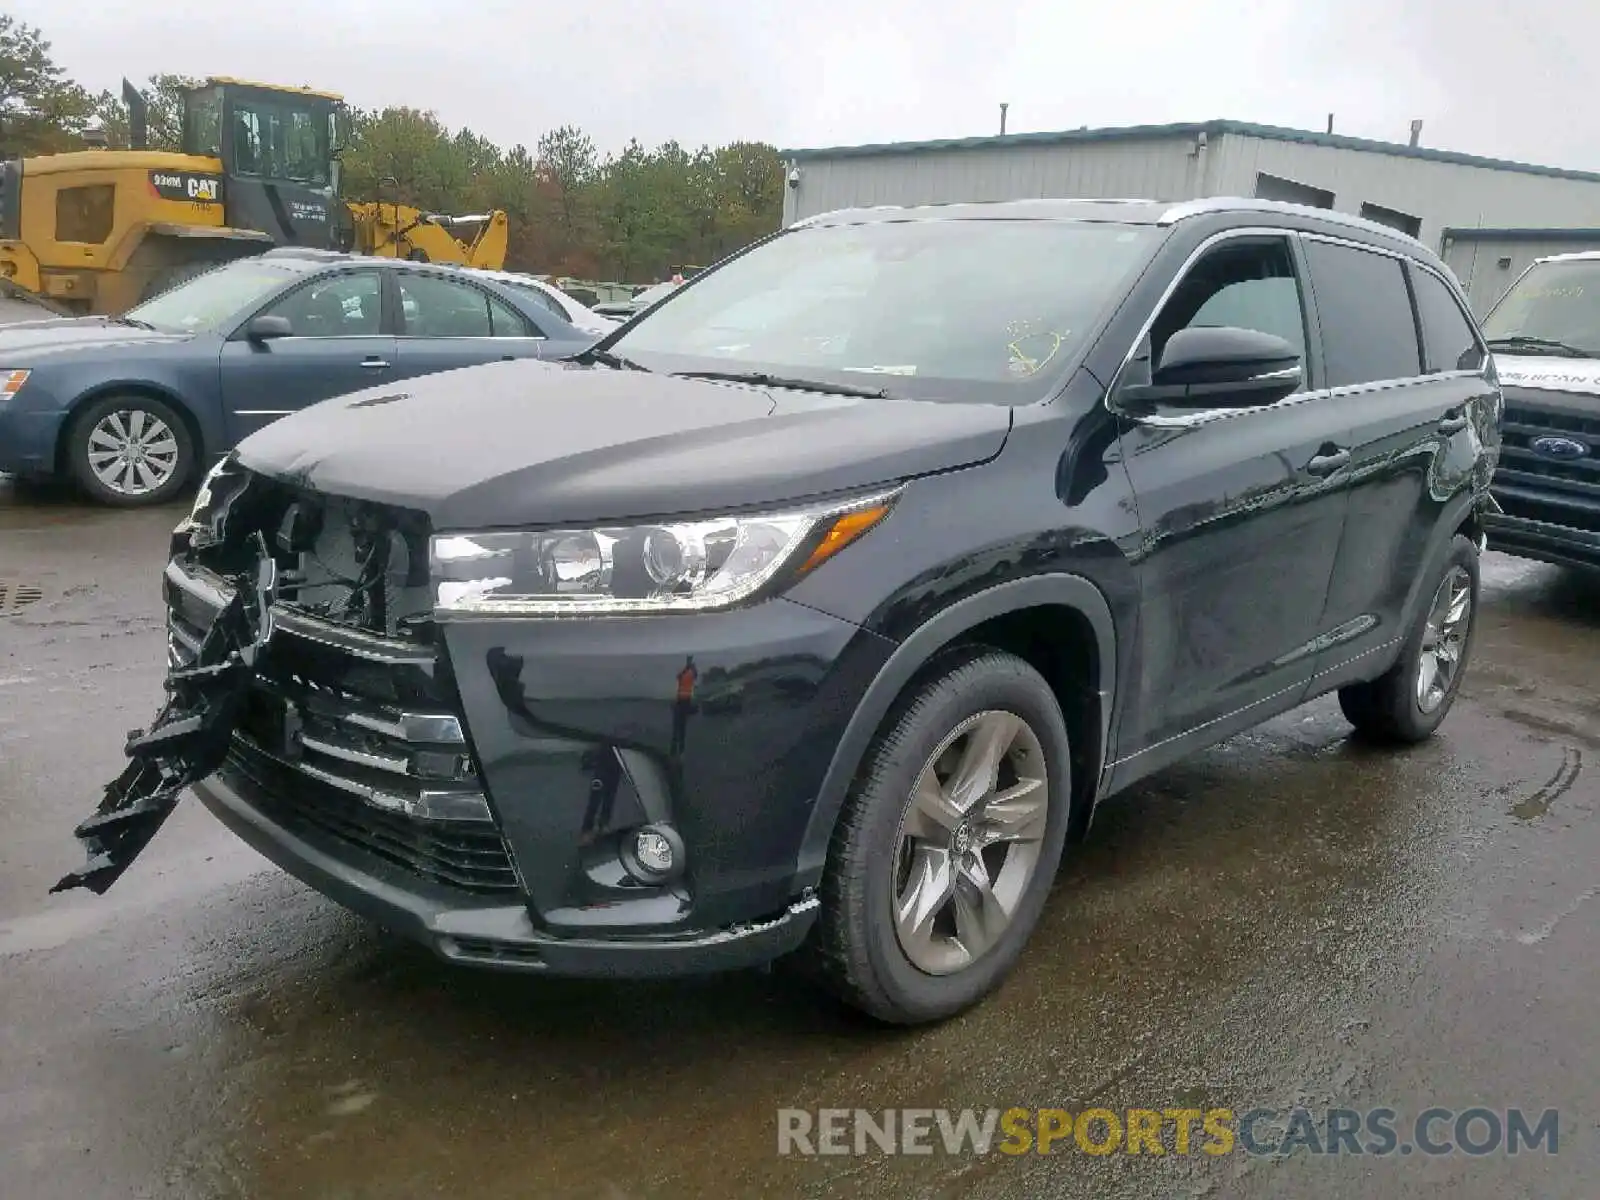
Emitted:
<point x="1241" y="511"/>
<point x="1407" y="367"/>
<point x="339" y="345"/>
<point x="448" y="323"/>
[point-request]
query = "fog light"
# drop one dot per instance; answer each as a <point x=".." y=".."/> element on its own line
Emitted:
<point x="653" y="851"/>
<point x="654" y="854"/>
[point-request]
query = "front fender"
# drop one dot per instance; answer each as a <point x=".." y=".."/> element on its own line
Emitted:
<point x="193" y="397"/>
<point x="1070" y="591"/>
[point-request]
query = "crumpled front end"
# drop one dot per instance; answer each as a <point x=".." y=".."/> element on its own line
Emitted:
<point x="315" y="709"/>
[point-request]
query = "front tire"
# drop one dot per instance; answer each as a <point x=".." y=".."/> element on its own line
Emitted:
<point x="1409" y="702"/>
<point x="949" y="840"/>
<point x="130" y="451"/>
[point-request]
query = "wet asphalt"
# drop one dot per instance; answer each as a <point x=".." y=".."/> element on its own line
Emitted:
<point x="1290" y="918"/>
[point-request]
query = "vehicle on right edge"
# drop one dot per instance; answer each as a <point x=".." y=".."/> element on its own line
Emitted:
<point x="1545" y="335"/>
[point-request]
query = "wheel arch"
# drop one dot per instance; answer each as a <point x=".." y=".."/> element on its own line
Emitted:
<point x="1460" y="516"/>
<point x="145" y="388"/>
<point x="1009" y="613"/>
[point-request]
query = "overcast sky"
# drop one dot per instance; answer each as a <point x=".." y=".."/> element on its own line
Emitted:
<point x="1508" y="81"/>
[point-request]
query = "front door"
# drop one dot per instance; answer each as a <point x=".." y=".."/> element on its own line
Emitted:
<point x="1241" y="511"/>
<point x="338" y="346"/>
<point x="1418" y="415"/>
<point x="449" y="323"/>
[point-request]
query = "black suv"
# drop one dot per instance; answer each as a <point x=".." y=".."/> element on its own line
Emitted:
<point x="1545" y="334"/>
<point x="817" y="609"/>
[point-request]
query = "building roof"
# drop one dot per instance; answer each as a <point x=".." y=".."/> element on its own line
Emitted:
<point x="1474" y="233"/>
<point x="1209" y="128"/>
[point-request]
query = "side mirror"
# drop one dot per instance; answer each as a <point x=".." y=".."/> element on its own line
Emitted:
<point x="267" y="327"/>
<point x="1221" y="367"/>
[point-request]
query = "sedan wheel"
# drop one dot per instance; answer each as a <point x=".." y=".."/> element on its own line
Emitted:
<point x="131" y="450"/>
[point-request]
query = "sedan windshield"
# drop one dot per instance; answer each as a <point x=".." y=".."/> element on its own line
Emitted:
<point x="205" y="302"/>
<point x="1553" y="309"/>
<point x="971" y="309"/>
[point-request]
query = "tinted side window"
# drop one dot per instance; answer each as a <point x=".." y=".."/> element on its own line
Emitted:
<point x="542" y="300"/>
<point x="1368" y="331"/>
<point x="334" y="306"/>
<point x="1248" y="284"/>
<point x="1451" y="343"/>
<point x="434" y="307"/>
<point x="507" y="321"/>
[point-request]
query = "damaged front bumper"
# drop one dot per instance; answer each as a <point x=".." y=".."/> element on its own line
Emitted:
<point x="497" y="935"/>
<point x="342" y="757"/>
<point x="188" y="740"/>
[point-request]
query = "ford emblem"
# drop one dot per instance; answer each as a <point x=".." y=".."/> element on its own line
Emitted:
<point x="1559" y="447"/>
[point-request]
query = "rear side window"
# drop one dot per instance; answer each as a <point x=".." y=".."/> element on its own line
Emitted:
<point x="1447" y="334"/>
<point x="507" y="322"/>
<point x="1364" y="308"/>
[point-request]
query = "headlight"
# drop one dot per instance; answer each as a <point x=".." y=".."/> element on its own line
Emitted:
<point x="685" y="566"/>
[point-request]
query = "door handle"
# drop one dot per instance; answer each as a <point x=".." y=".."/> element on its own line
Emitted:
<point x="1454" y="423"/>
<point x="1327" y="464"/>
<point x="374" y="364"/>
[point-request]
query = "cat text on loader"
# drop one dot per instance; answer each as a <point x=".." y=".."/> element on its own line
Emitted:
<point x="97" y="231"/>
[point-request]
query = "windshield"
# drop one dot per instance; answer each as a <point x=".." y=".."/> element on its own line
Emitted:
<point x="1553" y="302"/>
<point x="282" y="139"/>
<point x="203" y="303"/>
<point x="972" y="309"/>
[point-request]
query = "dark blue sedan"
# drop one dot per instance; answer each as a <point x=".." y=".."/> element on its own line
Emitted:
<point x="131" y="407"/>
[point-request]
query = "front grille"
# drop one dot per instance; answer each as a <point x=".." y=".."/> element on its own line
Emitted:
<point x="1539" y="487"/>
<point x="354" y="740"/>
<point x="464" y="854"/>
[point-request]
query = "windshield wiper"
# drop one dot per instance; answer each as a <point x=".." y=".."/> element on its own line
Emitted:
<point x="134" y="322"/>
<point x="762" y="379"/>
<point x="1522" y="341"/>
<point x="606" y="358"/>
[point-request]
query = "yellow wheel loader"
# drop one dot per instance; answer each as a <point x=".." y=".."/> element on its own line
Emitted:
<point x="97" y="231"/>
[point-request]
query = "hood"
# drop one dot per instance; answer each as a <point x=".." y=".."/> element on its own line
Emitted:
<point x="26" y="343"/>
<point x="1544" y="373"/>
<point x="524" y="443"/>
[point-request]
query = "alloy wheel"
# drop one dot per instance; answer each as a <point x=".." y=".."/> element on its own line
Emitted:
<point x="132" y="452"/>
<point x="1444" y="640"/>
<point x="969" y="841"/>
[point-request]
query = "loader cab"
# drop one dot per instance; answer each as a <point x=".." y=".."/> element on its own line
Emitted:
<point x="279" y="149"/>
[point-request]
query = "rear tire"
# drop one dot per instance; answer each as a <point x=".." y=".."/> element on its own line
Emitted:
<point x="984" y="747"/>
<point x="130" y="451"/>
<point x="1408" y="703"/>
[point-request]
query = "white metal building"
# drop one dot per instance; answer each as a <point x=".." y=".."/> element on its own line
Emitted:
<point x="1423" y="191"/>
<point x="1488" y="261"/>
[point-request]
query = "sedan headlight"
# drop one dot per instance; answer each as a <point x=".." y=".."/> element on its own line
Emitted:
<point x="680" y="566"/>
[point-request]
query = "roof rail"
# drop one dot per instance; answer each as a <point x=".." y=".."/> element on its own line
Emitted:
<point x="1224" y="204"/>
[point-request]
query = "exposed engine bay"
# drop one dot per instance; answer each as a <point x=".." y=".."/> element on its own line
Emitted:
<point x="274" y="549"/>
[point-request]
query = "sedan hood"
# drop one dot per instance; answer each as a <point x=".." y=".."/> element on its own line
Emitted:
<point x="26" y="343"/>
<point x="538" y="443"/>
